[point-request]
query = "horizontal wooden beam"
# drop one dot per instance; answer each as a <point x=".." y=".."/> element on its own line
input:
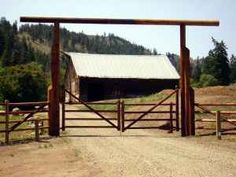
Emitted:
<point x="119" y="21"/>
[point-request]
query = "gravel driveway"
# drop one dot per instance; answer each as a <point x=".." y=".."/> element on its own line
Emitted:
<point x="147" y="153"/>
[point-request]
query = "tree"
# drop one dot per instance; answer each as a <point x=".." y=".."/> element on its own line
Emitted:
<point x="217" y="63"/>
<point x="154" y="52"/>
<point x="196" y="70"/>
<point x="233" y="69"/>
<point x="174" y="59"/>
<point x="23" y="83"/>
<point x="207" y="80"/>
<point x="2" y="42"/>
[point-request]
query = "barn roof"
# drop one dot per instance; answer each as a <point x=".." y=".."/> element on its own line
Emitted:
<point x="123" y="66"/>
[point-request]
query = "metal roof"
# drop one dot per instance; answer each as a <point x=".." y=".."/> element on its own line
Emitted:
<point x="123" y="66"/>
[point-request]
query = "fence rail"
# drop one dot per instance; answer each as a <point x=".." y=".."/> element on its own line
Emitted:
<point x="25" y="116"/>
<point x="220" y="116"/>
<point x="151" y="110"/>
<point x="168" y="119"/>
<point x="99" y="114"/>
<point x="118" y="113"/>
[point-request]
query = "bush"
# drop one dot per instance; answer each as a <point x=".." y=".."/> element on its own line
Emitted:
<point x="1" y="97"/>
<point x="23" y="83"/>
<point x="207" y="80"/>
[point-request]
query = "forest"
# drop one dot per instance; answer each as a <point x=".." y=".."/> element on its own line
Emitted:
<point x="25" y="59"/>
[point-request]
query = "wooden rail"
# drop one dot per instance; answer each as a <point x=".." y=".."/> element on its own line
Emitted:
<point x="91" y="109"/>
<point x="150" y="110"/>
<point x="120" y="21"/>
<point x="38" y="123"/>
<point x="220" y="115"/>
<point x="117" y="113"/>
<point x="169" y="119"/>
<point x="92" y="103"/>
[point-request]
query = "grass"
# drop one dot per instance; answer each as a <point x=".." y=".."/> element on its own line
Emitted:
<point x="144" y="99"/>
<point x="45" y="146"/>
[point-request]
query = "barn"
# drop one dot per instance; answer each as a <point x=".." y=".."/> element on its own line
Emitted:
<point x="94" y="77"/>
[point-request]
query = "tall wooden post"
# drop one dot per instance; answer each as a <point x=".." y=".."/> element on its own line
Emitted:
<point x="6" y="121"/>
<point x="177" y="110"/>
<point x="218" y="125"/>
<point x="187" y="121"/>
<point x="182" y="80"/>
<point x="54" y="119"/>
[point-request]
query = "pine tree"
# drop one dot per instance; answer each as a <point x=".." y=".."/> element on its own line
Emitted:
<point x="233" y="68"/>
<point x="2" y="45"/>
<point x="217" y="63"/>
<point x="154" y="52"/>
<point x="196" y="70"/>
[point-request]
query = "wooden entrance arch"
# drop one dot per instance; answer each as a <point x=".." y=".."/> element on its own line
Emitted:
<point x="187" y="110"/>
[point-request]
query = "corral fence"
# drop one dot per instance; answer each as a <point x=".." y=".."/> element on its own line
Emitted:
<point x="218" y="115"/>
<point x="18" y="117"/>
<point x="120" y="115"/>
<point x="117" y="114"/>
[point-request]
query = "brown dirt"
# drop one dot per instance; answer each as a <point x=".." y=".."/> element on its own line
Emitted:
<point x="106" y="153"/>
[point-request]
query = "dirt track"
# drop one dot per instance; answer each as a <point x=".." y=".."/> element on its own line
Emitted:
<point x="107" y="153"/>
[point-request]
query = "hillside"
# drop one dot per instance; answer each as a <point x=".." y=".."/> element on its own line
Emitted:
<point x="80" y="42"/>
<point x="20" y="45"/>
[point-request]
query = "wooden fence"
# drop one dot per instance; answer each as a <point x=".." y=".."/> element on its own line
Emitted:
<point x="119" y="115"/>
<point x="29" y="109"/>
<point x="169" y="118"/>
<point x="220" y="116"/>
<point x="116" y="115"/>
<point x="100" y="114"/>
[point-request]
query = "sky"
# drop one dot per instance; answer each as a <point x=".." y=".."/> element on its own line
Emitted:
<point x="163" y="38"/>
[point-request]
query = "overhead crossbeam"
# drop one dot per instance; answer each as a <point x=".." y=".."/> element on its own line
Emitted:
<point x="187" y="118"/>
<point x="120" y="21"/>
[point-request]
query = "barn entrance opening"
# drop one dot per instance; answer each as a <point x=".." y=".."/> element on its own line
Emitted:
<point x="95" y="91"/>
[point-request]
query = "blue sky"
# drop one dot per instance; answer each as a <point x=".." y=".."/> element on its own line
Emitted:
<point x="163" y="38"/>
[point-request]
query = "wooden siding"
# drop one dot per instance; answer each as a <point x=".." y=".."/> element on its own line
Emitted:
<point x="71" y="82"/>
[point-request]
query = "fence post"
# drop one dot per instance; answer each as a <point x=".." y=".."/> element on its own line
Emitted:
<point x="218" y="125"/>
<point x="122" y="116"/>
<point x="63" y="116"/>
<point x="118" y="115"/>
<point x="36" y="126"/>
<point x="177" y="109"/>
<point x="171" y="118"/>
<point x="42" y="125"/>
<point x="6" y="121"/>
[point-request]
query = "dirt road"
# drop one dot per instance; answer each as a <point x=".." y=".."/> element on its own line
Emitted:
<point x="153" y="153"/>
<point x="134" y="153"/>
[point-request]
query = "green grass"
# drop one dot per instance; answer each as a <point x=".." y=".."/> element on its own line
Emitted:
<point x="104" y="107"/>
<point x="144" y="99"/>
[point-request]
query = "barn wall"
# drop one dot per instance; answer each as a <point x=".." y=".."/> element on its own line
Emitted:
<point x="71" y="82"/>
<point x="97" y="89"/>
